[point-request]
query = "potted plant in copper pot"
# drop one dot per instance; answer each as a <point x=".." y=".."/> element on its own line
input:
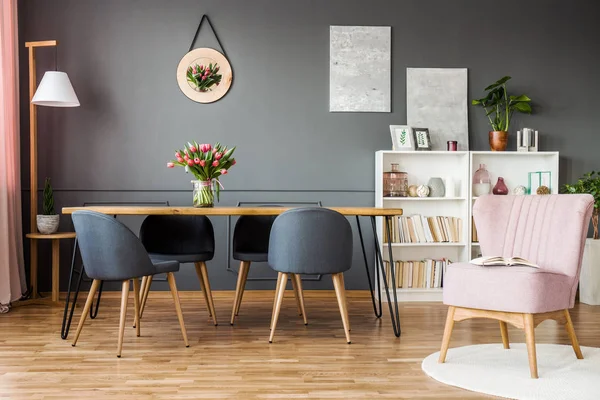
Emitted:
<point x="499" y="107"/>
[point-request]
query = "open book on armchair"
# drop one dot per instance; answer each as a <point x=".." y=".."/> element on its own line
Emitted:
<point x="502" y="262"/>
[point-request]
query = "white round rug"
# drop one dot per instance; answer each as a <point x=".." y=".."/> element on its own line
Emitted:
<point x="489" y="369"/>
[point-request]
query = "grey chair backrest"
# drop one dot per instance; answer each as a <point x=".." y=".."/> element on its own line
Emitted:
<point x="310" y="240"/>
<point x="251" y="233"/>
<point x="178" y="234"/>
<point x="110" y="251"/>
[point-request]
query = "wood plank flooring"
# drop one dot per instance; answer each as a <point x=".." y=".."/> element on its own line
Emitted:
<point x="237" y="362"/>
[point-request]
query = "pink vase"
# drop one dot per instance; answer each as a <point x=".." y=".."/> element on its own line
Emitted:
<point x="500" y="187"/>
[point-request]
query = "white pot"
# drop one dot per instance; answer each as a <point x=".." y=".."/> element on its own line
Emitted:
<point x="48" y="224"/>
<point x="589" y="281"/>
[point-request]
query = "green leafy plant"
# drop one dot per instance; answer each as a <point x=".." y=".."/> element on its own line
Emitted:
<point x="203" y="78"/>
<point x="499" y="106"/>
<point x="589" y="183"/>
<point x="48" y="203"/>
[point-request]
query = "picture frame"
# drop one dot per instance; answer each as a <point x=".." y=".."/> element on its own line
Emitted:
<point x="421" y="139"/>
<point x="402" y="137"/>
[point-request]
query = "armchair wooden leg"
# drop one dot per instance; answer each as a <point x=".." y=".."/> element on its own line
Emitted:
<point x="341" y="298"/>
<point x="244" y="279"/>
<point x="124" y="298"/>
<point x="239" y="289"/>
<point x="86" y="308"/>
<point x="144" y="293"/>
<point x="136" y="305"/>
<point x="175" y="293"/>
<point x="202" y="273"/>
<point x="504" y="332"/>
<point x="346" y="302"/>
<point x="572" y="336"/>
<point x="530" y="340"/>
<point x="447" y="334"/>
<point x="281" y="283"/>
<point x="297" y="285"/>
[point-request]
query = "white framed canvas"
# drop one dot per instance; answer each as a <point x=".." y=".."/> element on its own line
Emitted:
<point x="402" y="137"/>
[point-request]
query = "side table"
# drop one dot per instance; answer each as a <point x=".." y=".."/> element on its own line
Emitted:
<point x="55" y="237"/>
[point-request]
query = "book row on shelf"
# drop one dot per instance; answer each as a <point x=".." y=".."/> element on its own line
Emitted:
<point x="425" y="273"/>
<point x="421" y="229"/>
<point x="474" y="237"/>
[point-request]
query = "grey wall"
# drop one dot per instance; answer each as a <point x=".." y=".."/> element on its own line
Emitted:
<point x="121" y="57"/>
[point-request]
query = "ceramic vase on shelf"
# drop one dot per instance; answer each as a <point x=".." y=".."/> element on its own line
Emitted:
<point x="481" y="181"/>
<point x="203" y="194"/>
<point x="500" y="188"/>
<point x="498" y="140"/>
<point x="395" y="183"/>
<point x="436" y="187"/>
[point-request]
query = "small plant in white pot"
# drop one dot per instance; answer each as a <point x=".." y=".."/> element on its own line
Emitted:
<point x="47" y="223"/>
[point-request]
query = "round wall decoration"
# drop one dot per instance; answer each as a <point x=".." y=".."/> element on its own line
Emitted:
<point x="204" y="75"/>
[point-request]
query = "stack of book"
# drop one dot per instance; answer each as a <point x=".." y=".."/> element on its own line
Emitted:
<point x="427" y="273"/>
<point x="421" y="229"/>
<point x="474" y="239"/>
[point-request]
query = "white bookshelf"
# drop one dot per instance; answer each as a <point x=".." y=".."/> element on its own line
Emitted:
<point x="460" y="166"/>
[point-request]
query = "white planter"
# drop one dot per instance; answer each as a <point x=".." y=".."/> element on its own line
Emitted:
<point x="589" y="281"/>
<point x="48" y="224"/>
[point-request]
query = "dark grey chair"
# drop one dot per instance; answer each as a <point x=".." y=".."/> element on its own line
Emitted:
<point x="311" y="240"/>
<point x="184" y="238"/>
<point x="111" y="252"/>
<point x="251" y="244"/>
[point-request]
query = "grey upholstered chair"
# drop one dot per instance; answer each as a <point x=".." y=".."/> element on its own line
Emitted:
<point x="184" y="238"/>
<point x="111" y="252"/>
<point x="251" y="244"/>
<point x="311" y="240"/>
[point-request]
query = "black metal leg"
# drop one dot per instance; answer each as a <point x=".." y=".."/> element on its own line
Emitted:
<point x="377" y="311"/>
<point x="394" y="312"/>
<point x="66" y="323"/>
<point x="94" y="310"/>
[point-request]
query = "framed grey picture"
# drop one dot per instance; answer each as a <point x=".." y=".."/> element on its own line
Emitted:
<point x="402" y="137"/>
<point x="422" y="140"/>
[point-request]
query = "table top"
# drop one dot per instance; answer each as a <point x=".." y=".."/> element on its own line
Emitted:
<point x="57" y="235"/>
<point x="160" y="210"/>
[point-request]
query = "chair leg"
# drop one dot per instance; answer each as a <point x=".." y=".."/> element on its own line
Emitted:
<point x="297" y="285"/>
<point x="205" y="286"/>
<point x="275" y="298"/>
<point x="341" y="298"/>
<point x="504" y="332"/>
<point x="572" y="336"/>
<point x="86" y="308"/>
<point x="175" y="293"/>
<point x="447" y="334"/>
<point x="136" y="305"/>
<point x="530" y="339"/>
<point x="345" y="301"/>
<point x="124" y="298"/>
<point x="239" y="289"/>
<point x="142" y="290"/>
<point x="281" y="283"/>
<point x="243" y="289"/>
<point x="144" y="293"/>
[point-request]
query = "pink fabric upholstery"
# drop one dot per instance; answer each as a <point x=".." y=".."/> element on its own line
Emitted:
<point x="547" y="230"/>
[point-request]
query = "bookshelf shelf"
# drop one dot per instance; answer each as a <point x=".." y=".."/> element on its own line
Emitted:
<point x="424" y="198"/>
<point x="437" y="244"/>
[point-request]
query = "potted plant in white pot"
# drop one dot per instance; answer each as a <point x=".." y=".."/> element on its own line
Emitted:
<point x="47" y="223"/>
<point x="589" y="281"/>
<point x="499" y="107"/>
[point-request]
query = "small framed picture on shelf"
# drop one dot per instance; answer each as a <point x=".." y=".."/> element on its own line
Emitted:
<point x="540" y="182"/>
<point x="402" y="137"/>
<point x="422" y="141"/>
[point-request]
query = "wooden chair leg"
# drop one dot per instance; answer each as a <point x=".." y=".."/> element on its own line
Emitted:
<point x="530" y="340"/>
<point x="144" y="294"/>
<point x="238" y="290"/>
<point x="345" y="301"/>
<point x="124" y="298"/>
<point x="175" y="293"/>
<point x="244" y="279"/>
<point x="572" y="336"/>
<point x="136" y="305"/>
<point x="297" y="285"/>
<point x="142" y="291"/>
<point x="447" y="334"/>
<point x="504" y="333"/>
<point x="86" y="308"/>
<point x="275" y="299"/>
<point x="341" y="298"/>
<point x="281" y="283"/>
<point x="202" y="273"/>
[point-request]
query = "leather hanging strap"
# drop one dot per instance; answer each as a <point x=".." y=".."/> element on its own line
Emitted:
<point x="205" y="17"/>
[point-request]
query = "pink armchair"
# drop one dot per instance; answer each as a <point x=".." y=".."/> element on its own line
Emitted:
<point x="547" y="230"/>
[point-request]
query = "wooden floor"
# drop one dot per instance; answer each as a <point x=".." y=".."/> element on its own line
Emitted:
<point x="237" y="362"/>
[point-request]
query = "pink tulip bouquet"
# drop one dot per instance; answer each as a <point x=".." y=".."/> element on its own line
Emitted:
<point x="207" y="163"/>
<point x="202" y="77"/>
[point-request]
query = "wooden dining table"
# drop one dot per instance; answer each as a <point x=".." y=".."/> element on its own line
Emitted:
<point x="357" y="212"/>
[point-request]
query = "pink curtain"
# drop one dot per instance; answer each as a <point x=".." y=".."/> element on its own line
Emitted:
<point x="12" y="273"/>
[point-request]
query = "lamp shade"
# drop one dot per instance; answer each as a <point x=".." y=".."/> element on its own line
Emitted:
<point x="55" y="90"/>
